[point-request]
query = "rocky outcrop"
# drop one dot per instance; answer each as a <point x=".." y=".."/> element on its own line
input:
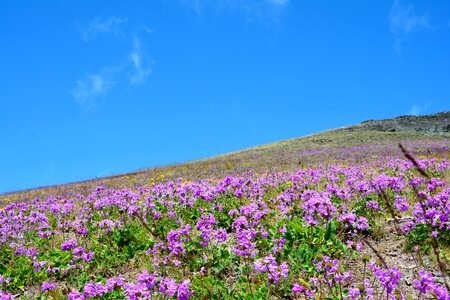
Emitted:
<point x="436" y="123"/>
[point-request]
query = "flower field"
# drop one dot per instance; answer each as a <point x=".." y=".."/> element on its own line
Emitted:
<point x="312" y="233"/>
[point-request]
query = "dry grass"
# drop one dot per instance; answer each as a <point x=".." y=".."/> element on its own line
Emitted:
<point x="344" y="145"/>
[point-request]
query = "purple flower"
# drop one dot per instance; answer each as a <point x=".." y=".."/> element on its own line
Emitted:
<point x="284" y="270"/>
<point x="175" y="238"/>
<point x="362" y="223"/>
<point x="168" y="286"/>
<point x="239" y="223"/>
<point x="133" y="291"/>
<point x="183" y="290"/>
<point x="92" y="290"/>
<point x="66" y="246"/>
<point x="275" y="272"/>
<point x="6" y="296"/>
<point x="354" y="293"/>
<point x="78" y="251"/>
<point x="359" y="246"/>
<point x="349" y="218"/>
<point x="38" y="265"/>
<point x="400" y="203"/>
<point x="260" y="267"/>
<point x="297" y="288"/>
<point x="387" y="278"/>
<point x="149" y="280"/>
<point x="441" y="293"/>
<point x="75" y="295"/>
<point x="245" y="245"/>
<point x="317" y="206"/>
<point x="426" y="285"/>
<point x="221" y="235"/>
<point x="113" y="283"/>
<point x="372" y="205"/>
<point x="232" y="212"/>
<point x="87" y="257"/>
<point x="48" y="286"/>
<point x="32" y="252"/>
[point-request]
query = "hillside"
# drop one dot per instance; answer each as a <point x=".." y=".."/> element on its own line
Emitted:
<point x="351" y="216"/>
<point x="423" y="135"/>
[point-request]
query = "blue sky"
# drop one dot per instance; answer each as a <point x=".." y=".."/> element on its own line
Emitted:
<point x="94" y="88"/>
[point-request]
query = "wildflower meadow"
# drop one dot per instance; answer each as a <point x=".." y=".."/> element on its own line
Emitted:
<point x="313" y="233"/>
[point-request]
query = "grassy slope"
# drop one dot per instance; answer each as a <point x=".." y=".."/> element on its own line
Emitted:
<point x="346" y="145"/>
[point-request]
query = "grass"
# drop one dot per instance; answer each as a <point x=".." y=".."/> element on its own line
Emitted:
<point x="345" y="145"/>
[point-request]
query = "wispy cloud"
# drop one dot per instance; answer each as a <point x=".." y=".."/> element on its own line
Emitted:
<point x="145" y="29"/>
<point x="89" y="90"/>
<point x="92" y="88"/>
<point x="104" y="173"/>
<point x="278" y="2"/>
<point x="141" y="67"/>
<point x="133" y="68"/>
<point x="101" y="26"/>
<point x="418" y="109"/>
<point x="263" y="10"/>
<point x="404" y="20"/>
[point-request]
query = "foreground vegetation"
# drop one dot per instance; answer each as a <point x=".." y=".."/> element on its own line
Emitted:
<point x="305" y="234"/>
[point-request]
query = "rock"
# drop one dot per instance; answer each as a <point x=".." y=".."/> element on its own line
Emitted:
<point x="441" y="279"/>
<point x="436" y="123"/>
<point x="408" y="279"/>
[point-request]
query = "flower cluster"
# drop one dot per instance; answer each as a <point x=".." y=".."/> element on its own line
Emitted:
<point x="274" y="271"/>
<point x="427" y="285"/>
<point x="292" y="231"/>
<point x="147" y="285"/>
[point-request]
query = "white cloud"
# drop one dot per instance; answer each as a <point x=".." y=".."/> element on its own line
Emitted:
<point x="145" y="29"/>
<point x="418" y="110"/>
<point x="279" y="2"/>
<point x="263" y="10"/>
<point x="141" y="67"/>
<point x="133" y="68"/>
<point x="195" y="4"/>
<point x="415" y="111"/>
<point x="90" y="89"/>
<point x="403" y="21"/>
<point x="98" y="25"/>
